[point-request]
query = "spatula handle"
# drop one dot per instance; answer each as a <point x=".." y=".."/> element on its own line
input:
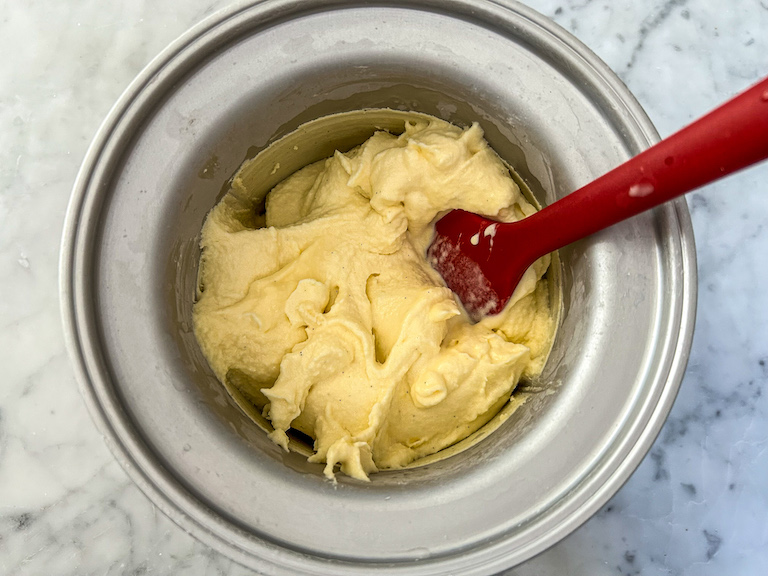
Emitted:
<point x="729" y="138"/>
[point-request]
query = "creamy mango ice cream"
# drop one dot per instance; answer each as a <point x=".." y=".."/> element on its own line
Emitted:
<point x="325" y="314"/>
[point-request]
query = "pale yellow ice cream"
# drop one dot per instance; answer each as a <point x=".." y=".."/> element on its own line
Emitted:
<point x="330" y="318"/>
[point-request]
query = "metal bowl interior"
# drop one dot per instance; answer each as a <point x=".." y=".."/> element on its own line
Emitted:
<point x="250" y="75"/>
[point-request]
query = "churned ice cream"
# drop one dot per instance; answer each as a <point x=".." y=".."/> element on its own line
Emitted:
<point x="325" y="314"/>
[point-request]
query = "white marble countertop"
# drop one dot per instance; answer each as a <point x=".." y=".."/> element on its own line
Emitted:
<point x="697" y="505"/>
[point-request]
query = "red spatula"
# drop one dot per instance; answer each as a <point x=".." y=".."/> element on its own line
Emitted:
<point x="482" y="260"/>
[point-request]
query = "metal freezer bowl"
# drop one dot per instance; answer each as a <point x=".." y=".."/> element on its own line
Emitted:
<point x="253" y="73"/>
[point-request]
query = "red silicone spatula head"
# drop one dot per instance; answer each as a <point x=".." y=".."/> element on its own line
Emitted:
<point x="462" y="252"/>
<point x="482" y="261"/>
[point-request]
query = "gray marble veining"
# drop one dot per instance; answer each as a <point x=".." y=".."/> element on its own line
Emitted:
<point x="698" y="504"/>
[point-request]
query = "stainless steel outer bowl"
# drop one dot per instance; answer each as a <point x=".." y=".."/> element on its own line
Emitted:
<point x="254" y="72"/>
